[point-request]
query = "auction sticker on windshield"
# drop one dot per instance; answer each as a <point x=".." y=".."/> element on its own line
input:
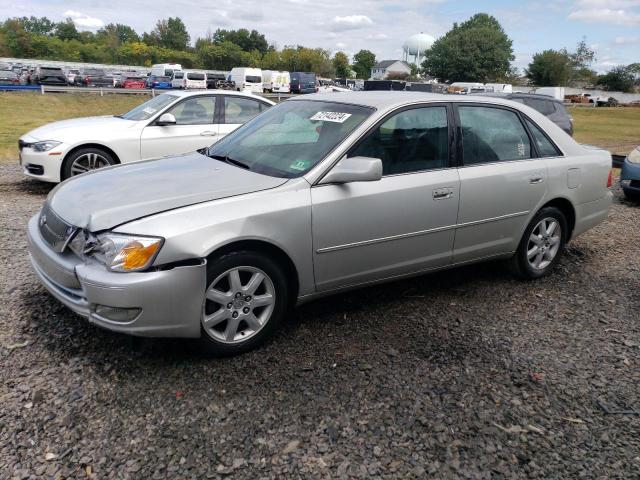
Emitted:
<point x="337" y="117"/>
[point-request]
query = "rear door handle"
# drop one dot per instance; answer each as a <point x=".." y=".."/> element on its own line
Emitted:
<point x="207" y="133"/>
<point x="442" y="193"/>
<point x="536" y="179"/>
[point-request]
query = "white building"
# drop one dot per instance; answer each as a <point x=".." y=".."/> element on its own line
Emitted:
<point x="381" y="70"/>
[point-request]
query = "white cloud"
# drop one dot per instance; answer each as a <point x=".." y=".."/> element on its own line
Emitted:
<point x="606" y="15"/>
<point x="626" y="40"/>
<point x="350" y="22"/>
<point x="84" y="21"/>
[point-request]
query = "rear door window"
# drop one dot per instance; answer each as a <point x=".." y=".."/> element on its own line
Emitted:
<point x="545" y="107"/>
<point x="491" y="135"/>
<point x="545" y="147"/>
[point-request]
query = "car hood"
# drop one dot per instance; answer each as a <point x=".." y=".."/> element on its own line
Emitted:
<point x="59" y="130"/>
<point x="111" y="196"/>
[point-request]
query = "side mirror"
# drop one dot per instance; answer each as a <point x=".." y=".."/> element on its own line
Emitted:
<point x="354" y="169"/>
<point x="166" y="119"/>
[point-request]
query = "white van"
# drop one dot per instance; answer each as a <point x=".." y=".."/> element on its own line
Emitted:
<point x="276" y="81"/>
<point x="247" y="79"/>
<point x="165" y="69"/>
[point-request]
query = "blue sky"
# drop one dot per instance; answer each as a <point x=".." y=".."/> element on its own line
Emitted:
<point x="611" y="27"/>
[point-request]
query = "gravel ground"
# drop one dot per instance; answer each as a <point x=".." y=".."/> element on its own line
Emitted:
<point x="460" y="374"/>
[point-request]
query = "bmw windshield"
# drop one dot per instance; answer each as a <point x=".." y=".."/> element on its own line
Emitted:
<point x="290" y="139"/>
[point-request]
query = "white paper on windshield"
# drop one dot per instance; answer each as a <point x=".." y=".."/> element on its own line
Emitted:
<point x="337" y="117"/>
<point x="149" y="111"/>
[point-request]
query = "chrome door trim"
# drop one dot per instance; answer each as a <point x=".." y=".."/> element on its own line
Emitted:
<point x="418" y="233"/>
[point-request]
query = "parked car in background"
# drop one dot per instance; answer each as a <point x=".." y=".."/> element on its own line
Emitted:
<point x="553" y="109"/>
<point x="466" y="88"/>
<point x="303" y="82"/>
<point x="44" y="75"/>
<point x="177" y="78"/>
<point x="165" y="69"/>
<point x="9" y="77"/>
<point x="246" y="79"/>
<point x="214" y="79"/>
<point x="175" y="122"/>
<point x="134" y="82"/>
<point x="276" y="81"/>
<point x="71" y="75"/>
<point x="160" y="83"/>
<point x="93" y="77"/>
<point x="194" y="80"/>
<point x="314" y="197"/>
<point x="630" y="175"/>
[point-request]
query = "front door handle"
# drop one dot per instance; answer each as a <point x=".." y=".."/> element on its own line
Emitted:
<point x="207" y="133"/>
<point x="442" y="193"/>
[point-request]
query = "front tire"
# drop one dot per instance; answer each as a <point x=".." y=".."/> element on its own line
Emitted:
<point x="85" y="160"/>
<point x="246" y="299"/>
<point x="541" y="245"/>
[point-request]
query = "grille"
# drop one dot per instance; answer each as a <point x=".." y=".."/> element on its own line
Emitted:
<point x="53" y="229"/>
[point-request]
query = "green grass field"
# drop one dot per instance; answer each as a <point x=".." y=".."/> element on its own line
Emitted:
<point x="617" y="129"/>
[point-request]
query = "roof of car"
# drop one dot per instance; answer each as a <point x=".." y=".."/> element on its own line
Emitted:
<point x="538" y="96"/>
<point x="382" y="99"/>
<point x="191" y="93"/>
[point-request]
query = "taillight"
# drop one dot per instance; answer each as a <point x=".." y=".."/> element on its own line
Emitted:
<point x="88" y="79"/>
<point x="610" y="179"/>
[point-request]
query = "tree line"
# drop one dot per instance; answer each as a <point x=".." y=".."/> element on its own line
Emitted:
<point x="476" y="50"/>
<point x="169" y="41"/>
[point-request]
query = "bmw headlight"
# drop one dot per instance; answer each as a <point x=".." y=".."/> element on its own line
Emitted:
<point x="125" y="253"/>
<point x="45" y="145"/>
<point x="634" y="156"/>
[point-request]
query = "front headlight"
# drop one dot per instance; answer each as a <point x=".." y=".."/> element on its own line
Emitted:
<point x="45" y="145"/>
<point x="634" y="156"/>
<point x="126" y="253"/>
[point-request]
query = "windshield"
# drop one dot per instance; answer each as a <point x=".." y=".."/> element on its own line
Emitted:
<point x="150" y="107"/>
<point x="291" y="138"/>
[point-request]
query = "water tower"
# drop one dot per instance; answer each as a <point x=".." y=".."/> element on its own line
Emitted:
<point x="414" y="47"/>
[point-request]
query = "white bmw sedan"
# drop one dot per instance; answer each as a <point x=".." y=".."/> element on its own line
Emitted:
<point x="169" y="124"/>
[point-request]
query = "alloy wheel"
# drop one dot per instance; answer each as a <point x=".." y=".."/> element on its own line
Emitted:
<point x="87" y="162"/>
<point x="544" y="243"/>
<point x="238" y="304"/>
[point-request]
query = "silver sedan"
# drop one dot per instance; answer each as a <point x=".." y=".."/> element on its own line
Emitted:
<point x="317" y="195"/>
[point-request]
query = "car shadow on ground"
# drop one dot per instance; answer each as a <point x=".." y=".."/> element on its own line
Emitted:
<point x="32" y="187"/>
<point x="351" y="323"/>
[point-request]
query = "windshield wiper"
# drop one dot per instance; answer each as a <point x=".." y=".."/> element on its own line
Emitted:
<point x="231" y="161"/>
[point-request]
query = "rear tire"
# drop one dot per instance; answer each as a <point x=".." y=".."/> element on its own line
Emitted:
<point x="630" y="195"/>
<point x="246" y="299"/>
<point x="541" y="245"/>
<point x="85" y="160"/>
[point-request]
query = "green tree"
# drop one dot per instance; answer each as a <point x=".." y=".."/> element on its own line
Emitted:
<point x="341" y="65"/>
<point x="550" y="68"/>
<point x="171" y="33"/>
<point x="67" y="30"/>
<point x="116" y="34"/>
<point x="619" y="79"/>
<point x="16" y="41"/>
<point x="476" y="50"/>
<point x="363" y="62"/>
<point x="38" y="26"/>
<point x="245" y="39"/>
